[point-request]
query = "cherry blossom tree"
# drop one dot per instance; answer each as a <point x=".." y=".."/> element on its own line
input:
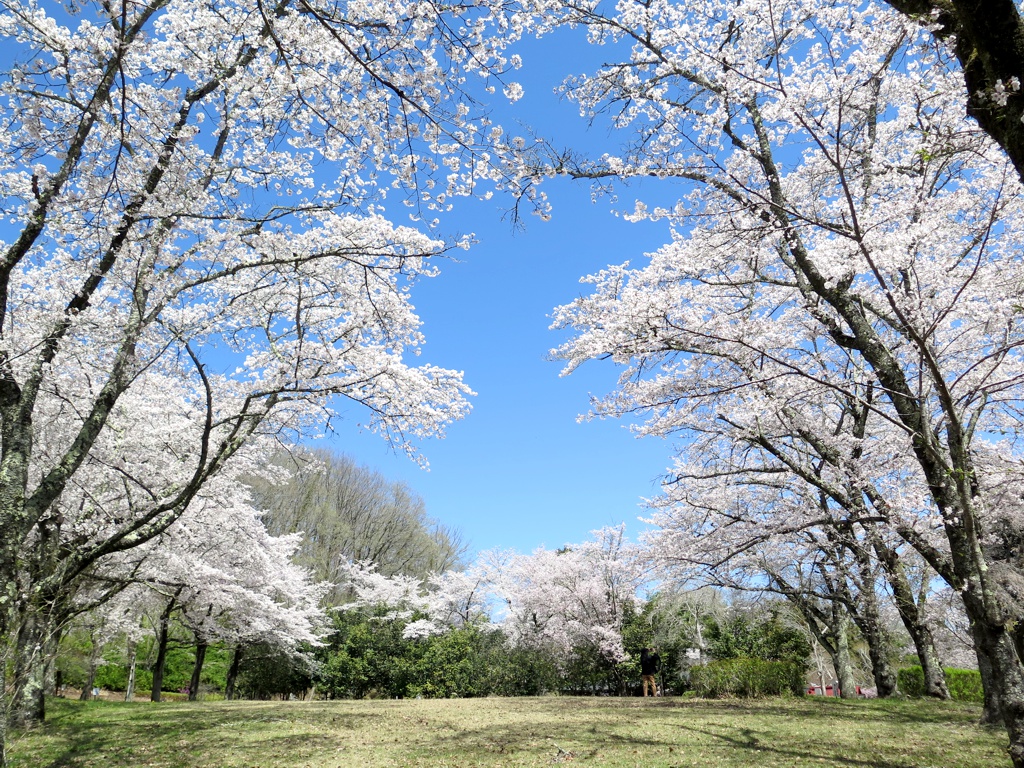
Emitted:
<point x="824" y="486"/>
<point x="189" y="193"/>
<point x="571" y="598"/>
<point x="563" y="601"/>
<point x="216" y="568"/>
<point x="836" y="200"/>
<point x="233" y="582"/>
<point x="430" y="605"/>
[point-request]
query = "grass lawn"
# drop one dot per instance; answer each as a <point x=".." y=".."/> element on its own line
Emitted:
<point x="511" y="732"/>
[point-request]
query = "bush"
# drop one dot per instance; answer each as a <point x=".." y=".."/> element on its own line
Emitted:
<point x="114" y="677"/>
<point x="368" y="657"/>
<point x="111" y="677"/>
<point x="911" y="681"/>
<point x="963" y="684"/>
<point x="747" y="677"/>
<point x="521" y="671"/>
<point x="449" y="667"/>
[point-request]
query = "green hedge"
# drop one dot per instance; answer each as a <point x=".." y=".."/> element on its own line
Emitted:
<point x="747" y="677"/>
<point x="963" y="684"/>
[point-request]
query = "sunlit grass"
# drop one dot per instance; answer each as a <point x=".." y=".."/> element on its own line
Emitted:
<point x="512" y="732"/>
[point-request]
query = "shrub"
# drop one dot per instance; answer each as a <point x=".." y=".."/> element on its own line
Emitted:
<point x="448" y="668"/>
<point x="747" y="677"/>
<point x="111" y="677"/>
<point x="516" y="671"/>
<point x="267" y="671"/>
<point x="911" y="681"/>
<point x="963" y="684"/>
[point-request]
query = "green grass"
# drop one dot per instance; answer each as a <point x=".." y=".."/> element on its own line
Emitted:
<point x="655" y="733"/>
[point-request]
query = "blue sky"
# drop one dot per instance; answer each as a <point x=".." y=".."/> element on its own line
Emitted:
<point x="520" y="472"/>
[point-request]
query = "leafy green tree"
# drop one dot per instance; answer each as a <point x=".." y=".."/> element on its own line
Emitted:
<point x="743" y="635"/>
<point x="267" y="671"/>
<point x="347" y="512"/>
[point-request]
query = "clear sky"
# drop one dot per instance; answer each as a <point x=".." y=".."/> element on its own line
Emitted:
<point x="520" y="472"/>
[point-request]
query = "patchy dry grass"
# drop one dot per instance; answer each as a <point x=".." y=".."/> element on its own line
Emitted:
<point x="653" y="733"/>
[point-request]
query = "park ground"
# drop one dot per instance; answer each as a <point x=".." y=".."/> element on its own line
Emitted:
<point x="652" y="733"/>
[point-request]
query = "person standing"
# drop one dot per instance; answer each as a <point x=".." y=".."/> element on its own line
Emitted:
<point x="649" y="661"/>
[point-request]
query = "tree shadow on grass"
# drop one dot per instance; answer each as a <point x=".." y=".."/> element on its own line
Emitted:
<point x="134" y="734"/>
<point x="673" y="726"/>
<point x="903" y="711"/>
<point x="755" y="741"/>
<point x="553" y="741"/>
<point x="112" y="735"/>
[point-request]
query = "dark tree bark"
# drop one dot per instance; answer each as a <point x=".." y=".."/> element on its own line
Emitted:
<point x="236" y="662"/>
<point x="868" y="621"/>
<point x="865" y="613"/>
<point x="197" y="669"/>
<point x="161" y="647"/>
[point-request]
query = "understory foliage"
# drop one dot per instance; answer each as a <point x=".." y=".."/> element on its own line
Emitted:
<point x="572" y="620"/>
<point x="769" y="639"/>
<point x="370" y="656"/>
<point x="748" y="677"/>
<point x="964" y="684"/>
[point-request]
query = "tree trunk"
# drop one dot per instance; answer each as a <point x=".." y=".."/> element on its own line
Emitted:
<point x="93" y="666"/>
<point x="992" y="714"/>
<point x="996" y="650"/>
<point x="161" y="645"/>
<point x="870" y="624"/>
<point x="3" y="698"/>
<point x="913" y="618"/>
<point x="882" y="671"/>
<point x="197" y="670"/>
<point x="934" y="676"/>
<point x="840" y="630"/>
<point x="29" y="702"/>
<point x="236" y="661"/>
<point x="133" y="658"/>
<point x="832" y="635"/>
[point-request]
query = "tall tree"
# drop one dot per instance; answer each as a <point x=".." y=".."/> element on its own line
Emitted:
<point x="346" y="512"/>
<point x="840" y="201"/>
<point x="190" y="192"/>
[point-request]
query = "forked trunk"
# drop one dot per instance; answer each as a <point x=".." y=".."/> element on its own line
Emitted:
<point x="1003" y="673"/>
